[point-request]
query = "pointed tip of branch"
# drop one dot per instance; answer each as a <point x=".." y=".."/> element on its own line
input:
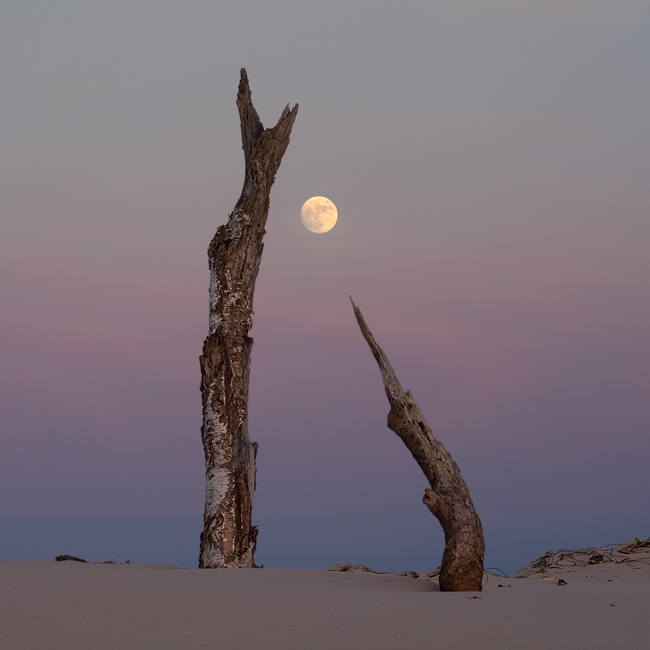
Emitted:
<point x="287" y="118"/>
<point x="391" y="383"/>
<point x="359" y="316"/>
<point x="244" y="87"/>
<point x="363" y="326"/>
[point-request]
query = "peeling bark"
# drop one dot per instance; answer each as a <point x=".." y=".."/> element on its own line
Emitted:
<point x="229" y="538"/>
<point x="448" y="499"/>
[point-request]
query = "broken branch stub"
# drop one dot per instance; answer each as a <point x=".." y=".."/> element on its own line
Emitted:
<point x="448" y="499"/>
<point x="234" y="255"/>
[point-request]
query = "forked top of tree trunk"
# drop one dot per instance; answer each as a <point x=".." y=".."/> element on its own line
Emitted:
<point x="263" y="148"/>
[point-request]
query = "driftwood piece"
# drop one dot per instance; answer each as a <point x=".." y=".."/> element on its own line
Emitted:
<point x="69" y="558"/>
<point x="448" y="499"/>
<point x="229" y="538"/>
<point x="634" y="552"/>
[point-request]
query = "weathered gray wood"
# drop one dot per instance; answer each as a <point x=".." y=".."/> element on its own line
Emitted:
<point x="448" y="499"/>
<point x="229" y="538"/>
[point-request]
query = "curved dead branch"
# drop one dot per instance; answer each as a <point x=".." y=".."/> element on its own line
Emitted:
<point x="448" y="499"/>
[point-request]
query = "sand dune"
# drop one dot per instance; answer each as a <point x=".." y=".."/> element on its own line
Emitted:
<point x="74" y="606"/>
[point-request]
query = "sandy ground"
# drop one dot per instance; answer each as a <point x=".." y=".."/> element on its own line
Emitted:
<point x="74" y="606"/>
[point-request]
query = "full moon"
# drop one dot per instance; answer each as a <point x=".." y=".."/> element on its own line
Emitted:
<point x="319" y="214"/>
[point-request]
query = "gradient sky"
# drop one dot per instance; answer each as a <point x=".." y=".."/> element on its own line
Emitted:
<point x="489" y="160"/>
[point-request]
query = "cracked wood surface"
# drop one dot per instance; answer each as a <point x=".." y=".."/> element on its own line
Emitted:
<point x="448" y="499"/>
<point x="234" y="255"/>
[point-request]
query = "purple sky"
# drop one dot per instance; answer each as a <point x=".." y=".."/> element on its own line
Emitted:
<point x="489" y="161"/>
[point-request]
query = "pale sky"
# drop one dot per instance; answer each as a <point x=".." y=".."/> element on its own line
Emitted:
<point x="489" y="161"/>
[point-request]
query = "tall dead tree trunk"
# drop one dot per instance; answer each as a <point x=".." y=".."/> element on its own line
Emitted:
<point x="448" y="499"/>
<point x="229" y="538"/>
